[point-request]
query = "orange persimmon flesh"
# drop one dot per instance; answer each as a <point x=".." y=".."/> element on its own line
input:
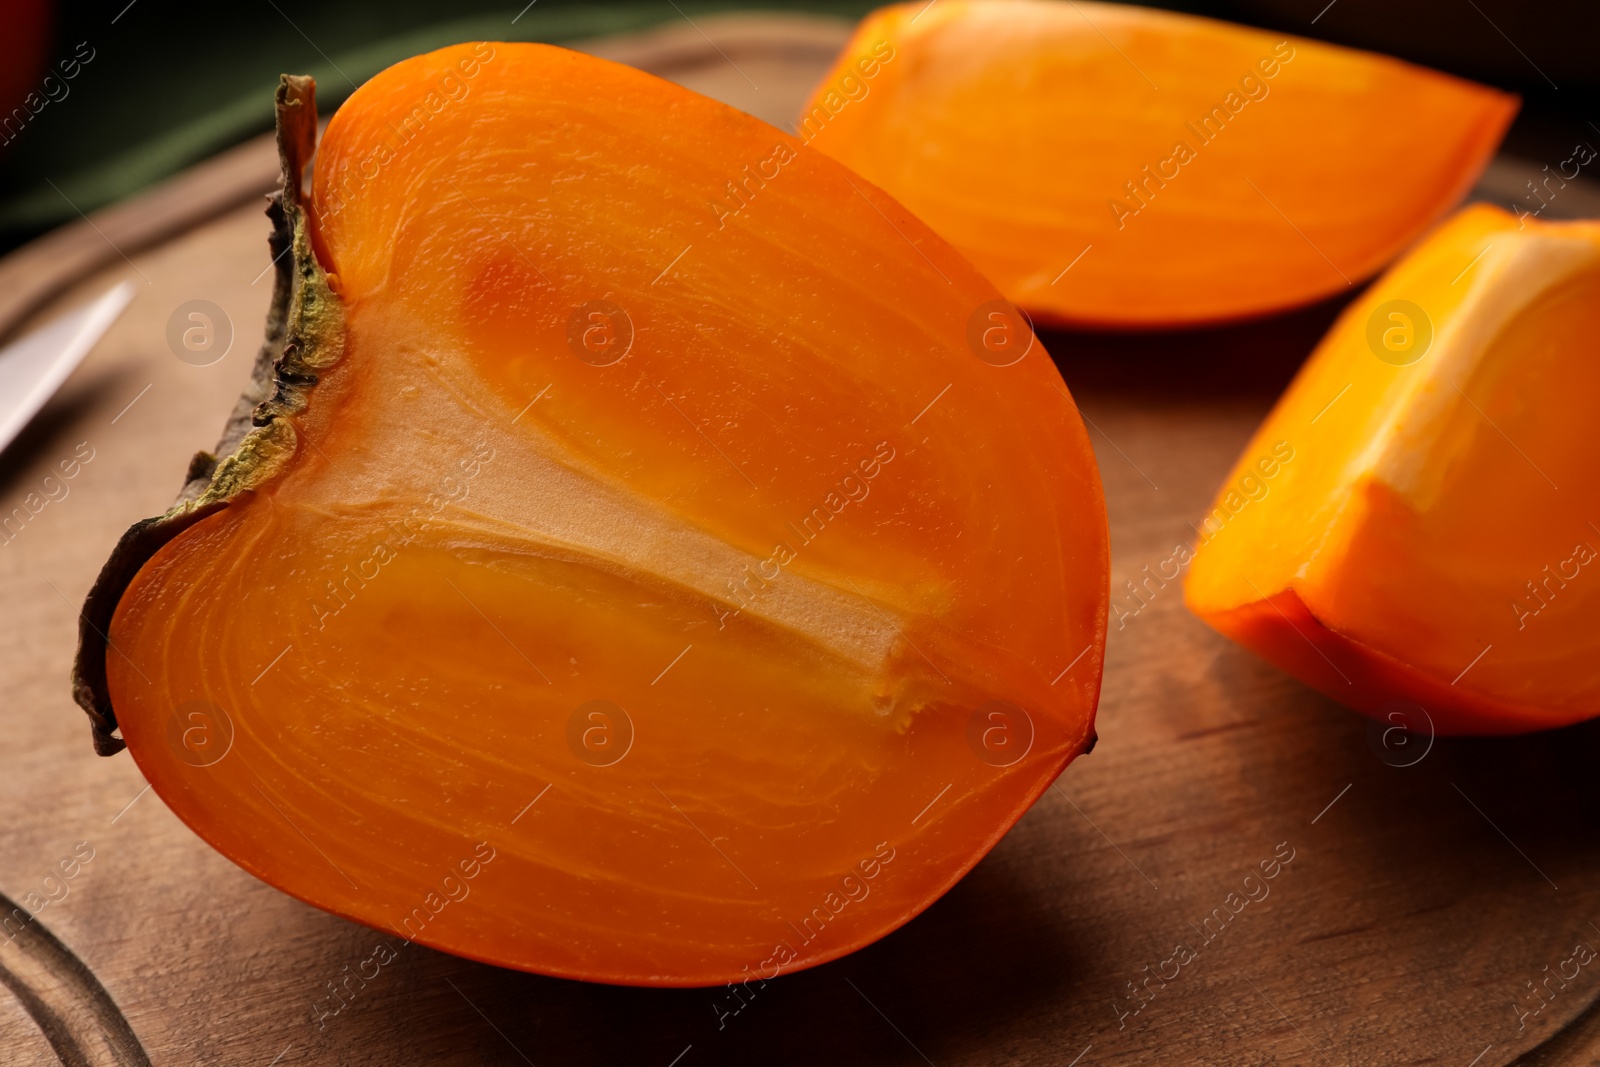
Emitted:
<point x="1415" y="523"/>
<point x="738" y="475"/>
<point x="1123" y="167"/>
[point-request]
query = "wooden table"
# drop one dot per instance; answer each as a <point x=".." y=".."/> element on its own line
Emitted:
<point x="1429" y="887"/>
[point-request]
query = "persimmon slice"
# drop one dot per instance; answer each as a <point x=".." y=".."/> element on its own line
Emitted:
<point x="636" y="573"/>
<point x="1414" y="526"/>
<point x="1124" y="167"/>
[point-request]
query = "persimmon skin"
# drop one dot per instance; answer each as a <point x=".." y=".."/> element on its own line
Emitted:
<point x="1430" y="540"/>
<point x="486" y="527"/>
<point x="1285" y="632"/>
<point x="1120" y="167"/>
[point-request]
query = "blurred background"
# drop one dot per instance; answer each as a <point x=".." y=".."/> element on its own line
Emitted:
<point x="158" y="85"/>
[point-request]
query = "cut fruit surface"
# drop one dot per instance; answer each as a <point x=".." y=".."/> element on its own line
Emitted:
<point x="1416" y="522"/>
<point x="1117" y="166"/>
<point x="659" y="561"/>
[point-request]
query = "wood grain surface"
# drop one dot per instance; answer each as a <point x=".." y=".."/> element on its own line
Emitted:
<point x="1430" y="888"/>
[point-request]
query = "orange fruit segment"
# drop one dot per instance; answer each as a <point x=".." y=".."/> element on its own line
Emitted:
<point x="1123" y="167"/>
<point x="1416" y="521"/>
<point x="663" y="560"/>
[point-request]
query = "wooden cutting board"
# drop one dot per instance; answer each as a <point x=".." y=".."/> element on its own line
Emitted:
<point x="1421" y="891"/>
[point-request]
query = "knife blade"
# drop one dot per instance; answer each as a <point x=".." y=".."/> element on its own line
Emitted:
<point x="32" y="368"/>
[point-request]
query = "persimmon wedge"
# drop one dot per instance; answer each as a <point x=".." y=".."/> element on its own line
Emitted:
<point x="1122" y="167"/>
<point x="611" y="585"/>
<point x="1415" y="525"/>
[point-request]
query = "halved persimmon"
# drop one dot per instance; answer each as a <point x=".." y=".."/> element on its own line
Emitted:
<point x="1118" y="166"/>
<point x="661" y="559"/>
<point x="1415" y="525"/>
